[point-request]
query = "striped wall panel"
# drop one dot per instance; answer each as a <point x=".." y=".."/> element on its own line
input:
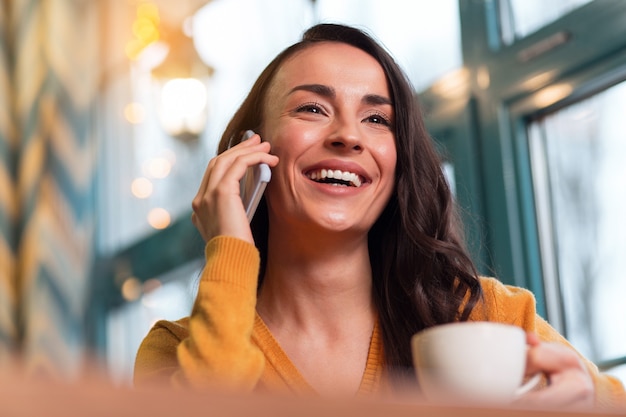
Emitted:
<point x="8" y="211"/>
<point x="55" y="92"/>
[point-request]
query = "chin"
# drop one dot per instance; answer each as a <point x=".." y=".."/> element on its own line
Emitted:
<point x="341" y="222"/>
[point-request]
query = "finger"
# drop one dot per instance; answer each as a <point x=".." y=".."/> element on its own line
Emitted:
<point x="227" y="170"/>
<point x="254" y="139"/>
<point x="203" y="185"/>
<point x="217" y="205"/>
<point x="234" y="162"/>
<point x="552" y="358"/>
<point x="573" y="389"/>
<point x="229" y="153"/>
<point x="532" y="339"/>
<point x="569" y="380"/>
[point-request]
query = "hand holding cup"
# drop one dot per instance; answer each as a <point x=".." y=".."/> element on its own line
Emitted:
<point x="472" y="362"/>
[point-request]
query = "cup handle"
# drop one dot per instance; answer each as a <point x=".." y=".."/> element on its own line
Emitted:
<point x="529" y="385"/>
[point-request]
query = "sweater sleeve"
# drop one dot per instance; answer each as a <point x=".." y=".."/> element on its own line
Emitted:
<point x="214" y="347"/>
<point x="517" y="306"/>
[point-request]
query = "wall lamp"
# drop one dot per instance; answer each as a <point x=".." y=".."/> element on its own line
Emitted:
<point x="183" y="88"/>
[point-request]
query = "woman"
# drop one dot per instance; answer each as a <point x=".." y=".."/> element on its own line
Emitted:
<point x="357" y="243"/>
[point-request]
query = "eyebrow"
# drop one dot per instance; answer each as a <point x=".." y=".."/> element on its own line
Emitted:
<point x="319" y="89"/>
<point x="376" y="99"/>
<point x="326" y="91"/>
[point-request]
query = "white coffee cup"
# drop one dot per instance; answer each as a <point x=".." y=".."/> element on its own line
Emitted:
<point x="471" y="361"/>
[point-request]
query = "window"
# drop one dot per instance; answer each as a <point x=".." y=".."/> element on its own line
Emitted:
<point x="519" y="18"/>
<point x="168" y="297"/>
<point x="424" y="36"/>
<point x="579" y="176"/>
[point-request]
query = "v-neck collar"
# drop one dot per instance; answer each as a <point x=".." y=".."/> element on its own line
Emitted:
<point x="282" y="364"/>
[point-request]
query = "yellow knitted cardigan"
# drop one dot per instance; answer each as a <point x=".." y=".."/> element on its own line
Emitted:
<point x="224" y="343"/>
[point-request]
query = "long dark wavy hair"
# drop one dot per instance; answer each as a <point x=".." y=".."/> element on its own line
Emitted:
<point x="422" y="273"/>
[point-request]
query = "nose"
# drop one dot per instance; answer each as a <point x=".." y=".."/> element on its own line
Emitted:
<point x="345" y="136"/>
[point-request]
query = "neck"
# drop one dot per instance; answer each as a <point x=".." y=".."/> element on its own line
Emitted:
<point x="311" y="282"/>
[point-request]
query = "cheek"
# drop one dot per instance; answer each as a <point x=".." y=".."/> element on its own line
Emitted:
<point x="290" y="140"/>
<point x="387" y="158"/>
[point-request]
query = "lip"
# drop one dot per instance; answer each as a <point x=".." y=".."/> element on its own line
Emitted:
<point x="335" y="164"/>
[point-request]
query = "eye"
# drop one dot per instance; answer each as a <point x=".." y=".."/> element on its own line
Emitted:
<point x="378" y="118"/>
<point x="310" y="108"/>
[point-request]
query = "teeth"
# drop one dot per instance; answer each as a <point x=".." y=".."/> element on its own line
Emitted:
<point x="350" y="177"/>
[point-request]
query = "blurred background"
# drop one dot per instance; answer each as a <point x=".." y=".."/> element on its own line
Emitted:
<point x="111" y="109"/>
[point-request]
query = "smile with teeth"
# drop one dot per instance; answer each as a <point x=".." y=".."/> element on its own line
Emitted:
<point x="336" y="177"/>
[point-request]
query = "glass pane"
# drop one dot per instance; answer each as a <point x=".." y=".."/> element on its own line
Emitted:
<point x="423" y="35"/>
<point x="168" y="297"/>
<point x="578" y="156"/>
<point x="520" y="18"/>
<point x="448" y="171"/>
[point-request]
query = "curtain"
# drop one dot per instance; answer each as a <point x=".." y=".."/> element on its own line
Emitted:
<point x="48" y="89"/>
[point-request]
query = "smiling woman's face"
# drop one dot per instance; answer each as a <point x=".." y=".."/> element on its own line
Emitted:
<point x="329" y="118"/>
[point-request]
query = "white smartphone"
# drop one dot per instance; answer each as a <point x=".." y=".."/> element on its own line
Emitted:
<point x="253" y="183"/>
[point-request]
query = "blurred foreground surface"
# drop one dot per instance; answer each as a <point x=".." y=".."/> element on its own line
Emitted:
<point x="96" y="396"/>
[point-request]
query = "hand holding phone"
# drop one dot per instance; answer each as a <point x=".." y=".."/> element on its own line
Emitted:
<point x="253" y="183"/>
